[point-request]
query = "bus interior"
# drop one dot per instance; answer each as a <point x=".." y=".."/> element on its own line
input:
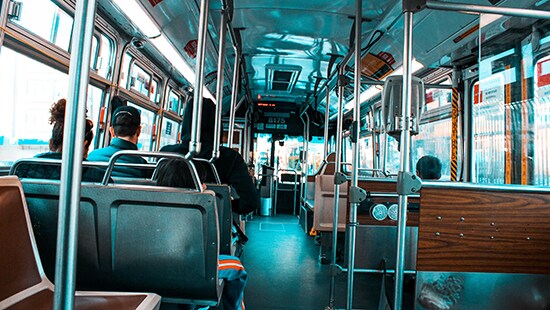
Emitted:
<point x="330" y="104"/>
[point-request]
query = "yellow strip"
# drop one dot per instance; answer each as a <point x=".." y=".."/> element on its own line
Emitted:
<point x="524" y="127"/>
<point x="508" y="133"/>
<point x="454" y="134"/>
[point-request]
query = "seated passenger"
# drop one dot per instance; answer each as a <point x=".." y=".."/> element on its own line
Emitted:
<point x="125" y="128"/>
<point x="428" y="168"/>
<point x="53" y="172"/>
<point x="176" y="173"/>
<point x="230" y="165"/>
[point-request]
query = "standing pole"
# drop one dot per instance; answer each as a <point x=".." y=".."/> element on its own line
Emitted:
<point x="327" y="116"/>
<point x="354" y="190"/>
<point x="219" y="86"/>
<point x="376" y="144"/>
<point x="247" y="137"/>
<point x="195" y="144"/>
<point x="305" y="119"/>
<point x="234" y="94"/>
<point x="334" y="269"/>
<point x="73" y="147"/>
<point x="405" y="156"/>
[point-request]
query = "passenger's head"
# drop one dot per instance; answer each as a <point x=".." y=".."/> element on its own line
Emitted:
<point x="428" y="168"/>
<point x="176" y="173"/>
<point x="126" y="124"/>
<point x="57" y="119"/>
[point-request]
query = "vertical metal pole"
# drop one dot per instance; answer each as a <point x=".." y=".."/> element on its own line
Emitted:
<point x="234" y="93"/>
<point x="384" y="149"/>
<point x="355" y="158"/>
<point x="73" y="146"/>
<point x="327" y="115"/>
<point x="338" y="163"/>
<point x="375" y="143"/>
<point x="195" y="144"/>
<point x="219" y="86"/>
<point x="247" y="136"/>
<point x="304" y="159"/>
<point x="405" y="155"/>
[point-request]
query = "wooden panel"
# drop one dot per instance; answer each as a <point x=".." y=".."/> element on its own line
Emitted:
<point x="378" y="186"/>
<point x="366" y="219"/>
<point x="475" y="230"/>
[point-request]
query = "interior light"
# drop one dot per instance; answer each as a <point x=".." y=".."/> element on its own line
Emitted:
<point x="415" y="67"/>
<point x="168" y="50"/>
<point x="138" y="16"/>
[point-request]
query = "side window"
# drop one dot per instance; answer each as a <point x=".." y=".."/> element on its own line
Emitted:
<point x="489" y="123"/>
<point x="140" y="80"/>
<point x="154" y="94"/>
<point x="95" y="99"/>
<point x="101" y="60"/>
<point x="173" y="102"/>
<point x="125" y="70"/>
<point x="147" y="122"/>
<point x="434" y="137"/>
<point x="541" y="121"/>
<point x="47" y="20"/>
<point x="169" y="132"/>
<point x="29" y="89"/>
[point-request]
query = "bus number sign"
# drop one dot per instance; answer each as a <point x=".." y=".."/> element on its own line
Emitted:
<point x="276" y="120"/>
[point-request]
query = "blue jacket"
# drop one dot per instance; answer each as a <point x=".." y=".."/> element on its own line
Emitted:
<point x="117" y="144"/>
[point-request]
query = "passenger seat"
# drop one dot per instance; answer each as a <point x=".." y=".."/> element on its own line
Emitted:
<point x="23" y="284"/>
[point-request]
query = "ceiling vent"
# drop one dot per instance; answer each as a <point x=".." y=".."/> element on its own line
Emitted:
<point x="281" y="78"/>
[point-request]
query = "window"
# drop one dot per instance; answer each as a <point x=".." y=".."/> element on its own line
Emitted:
<point x="147" y="122"/>
<point x="140" y="80"/>
<point x="489" y="130"/>
<point x="155" y="91"/>
<point x="102" y="58"/>
<point x="173" y="102"/>
<point x="169" y="132"/>
<point x="29" y="89"/>
<point x="434" y="139"/>
<point x="48" y="21"/>
<point x="125" y="70"/>
<point x="95" y="100"/>
<point x="541" y="127"/>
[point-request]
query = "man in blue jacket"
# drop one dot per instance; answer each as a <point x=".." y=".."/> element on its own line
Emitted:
<point x="125" y="128"/>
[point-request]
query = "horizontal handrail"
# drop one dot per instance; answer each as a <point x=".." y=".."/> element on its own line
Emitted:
<point x="118" y="154"/>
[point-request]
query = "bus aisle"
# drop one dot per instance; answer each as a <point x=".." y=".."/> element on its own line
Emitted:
<point x="285" y="273"/>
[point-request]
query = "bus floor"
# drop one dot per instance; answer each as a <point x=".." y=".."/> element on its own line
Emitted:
<point x="284" y="271"/>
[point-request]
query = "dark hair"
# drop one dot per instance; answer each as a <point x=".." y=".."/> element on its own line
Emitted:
<point x="126" y="121"/>
<point x="176" y="173"/>
<point x="57" y="119"/>
<point x="429" y="168"/>
<point x="208" y="119"/>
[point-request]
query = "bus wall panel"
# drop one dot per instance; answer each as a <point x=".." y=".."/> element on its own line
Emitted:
<point x="381" y="186"/>
<point x="484" y="230"/>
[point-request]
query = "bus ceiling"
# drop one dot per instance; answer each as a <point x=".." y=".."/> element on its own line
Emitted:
<point x="287" y="46"/>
